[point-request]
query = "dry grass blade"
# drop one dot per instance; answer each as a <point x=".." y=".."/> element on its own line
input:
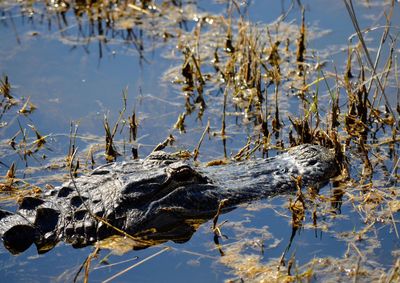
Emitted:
<point x="135" y="265"/>
<point x="395" y="167"/>
<point x="40" y="140"/>
<point x="111" y="152"/>
<point x="27" y="108"/>
<point x="180" y="123"/>
<point x="5" y="88"/>
<point x="137" y="8"/>
<point x="168" y="141"/>
<point x="301" y="45"/>
<point x="73" y="130"/>
<point x="86" y="265"/>
<point x="361" y="256"/>
<point x="394" y="275"/>
<point x="11" y="173"/>
<point x="197" y="149"/>
<point x="383" y="39"/>
<point x="115" y="264"/>
<point x="221" y="205"/>
<point x="223" y="126"/>
<point x="353" y="17"/>
<point x="393" y="221"/>
<point x="133" y="128"/>
<point x="357" y="270"/>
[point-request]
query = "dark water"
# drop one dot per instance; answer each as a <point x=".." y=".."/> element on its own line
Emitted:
<point x="79" y="82"/>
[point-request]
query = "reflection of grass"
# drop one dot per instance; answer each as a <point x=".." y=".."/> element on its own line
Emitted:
<point x="228" y="65"/>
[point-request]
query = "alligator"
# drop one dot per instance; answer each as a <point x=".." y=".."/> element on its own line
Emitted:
<point x="158" y="197"/>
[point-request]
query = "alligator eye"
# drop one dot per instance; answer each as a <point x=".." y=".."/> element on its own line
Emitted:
<point x="185" y="173"/>
<point x="182" y="174"/>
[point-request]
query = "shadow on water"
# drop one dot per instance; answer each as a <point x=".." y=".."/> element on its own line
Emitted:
<point x="219" y="82"/>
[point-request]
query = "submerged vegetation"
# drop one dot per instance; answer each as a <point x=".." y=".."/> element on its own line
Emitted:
<point x="257" y="84"/>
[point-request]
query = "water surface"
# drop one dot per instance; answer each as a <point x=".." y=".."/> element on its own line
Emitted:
<point x="72" y="75"/>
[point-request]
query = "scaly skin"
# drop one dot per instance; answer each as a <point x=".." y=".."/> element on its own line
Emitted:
<point x="156" y="198"/>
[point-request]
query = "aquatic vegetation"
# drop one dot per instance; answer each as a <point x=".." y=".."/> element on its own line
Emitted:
<point x="244" y="89"/>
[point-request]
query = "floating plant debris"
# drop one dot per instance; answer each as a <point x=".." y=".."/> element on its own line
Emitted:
<point x="234" y="90"/>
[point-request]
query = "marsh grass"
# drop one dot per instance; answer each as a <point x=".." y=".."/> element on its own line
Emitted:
<point x="252" y="70"/>
<point x="250" y="74"/>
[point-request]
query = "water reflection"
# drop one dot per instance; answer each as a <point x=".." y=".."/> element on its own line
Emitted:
<point x="74" y="59"/>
